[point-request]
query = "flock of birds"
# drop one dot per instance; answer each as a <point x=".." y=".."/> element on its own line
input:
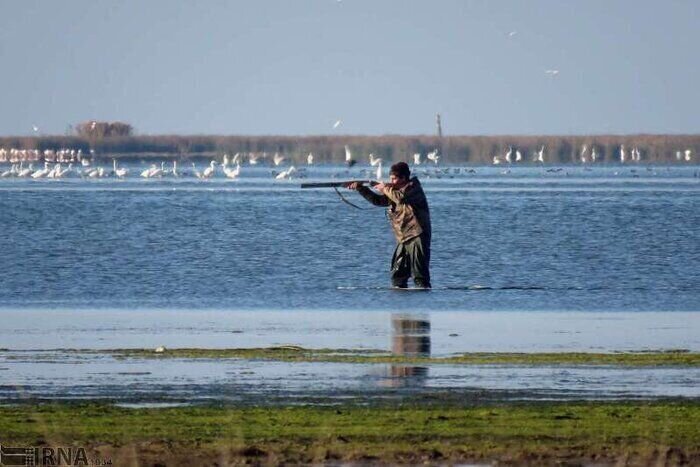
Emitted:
<point x="66" y="163"/>
<point x="584" y="156"/>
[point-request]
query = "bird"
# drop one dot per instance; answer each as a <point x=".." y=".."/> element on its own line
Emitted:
<point x="196" y="172"/>
<point x="35" y="128"/>
<point x="510" y="151"/>
<point x="688" y="155"/>
<point x="286" y="173"/>
<point x="232" y="173"/>
<point x="416" y="158"/>
<point x="379" y="170"/>
<point x="310" y="159"/>
<point x="277" y="159"/>
<point x="225" y="162"/>
<point x="512" y="33"/>
<point x="147" y="172"/>
<point x="119" y="172"/>
<point x="348" y="157"/>
<point x="496" y="160"/>
<point x="42" y="172"/>
<point x="337" y="124"/>
<point x="433" y="156"/>
<point x="518" y="155"/>
<point x="678" y="155"/>
<point x="236" y="158"/>
<point x="622" y="153"/>
<point x="253" y="158"/>
<point x="209" y="171"/>
<point x="552" y="72"/>
<point x="584" y="150"/>
<point x="540" y="155"/>
<point x="374" y="160"/>
<point x="25" y="172"/>
<point x="159" y="349"/>
<point x="593" y="155"/>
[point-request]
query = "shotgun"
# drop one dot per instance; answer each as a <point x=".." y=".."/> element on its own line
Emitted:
<point x="338" y="184"/>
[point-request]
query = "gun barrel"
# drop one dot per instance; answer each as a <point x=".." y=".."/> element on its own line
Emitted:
<point x="332" y="184"/>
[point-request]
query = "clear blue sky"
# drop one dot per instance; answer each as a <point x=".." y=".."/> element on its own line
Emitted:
<point x="295" y="67"/>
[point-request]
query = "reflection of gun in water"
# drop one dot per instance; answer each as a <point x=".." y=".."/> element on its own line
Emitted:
<point x="338" y="184"/>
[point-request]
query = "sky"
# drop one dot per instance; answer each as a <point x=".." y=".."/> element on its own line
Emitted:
<point x="288" y="67"/>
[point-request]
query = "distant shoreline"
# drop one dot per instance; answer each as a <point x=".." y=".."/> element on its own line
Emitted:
<point x="655" y="149"/>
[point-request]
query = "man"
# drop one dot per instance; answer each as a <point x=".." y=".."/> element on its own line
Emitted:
<point x="410" y="219"/>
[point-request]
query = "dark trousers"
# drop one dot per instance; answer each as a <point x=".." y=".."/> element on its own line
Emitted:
<point x="411" y="258"/>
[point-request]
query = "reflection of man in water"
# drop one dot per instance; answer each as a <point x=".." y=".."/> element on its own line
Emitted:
<point x="410" y="219"/>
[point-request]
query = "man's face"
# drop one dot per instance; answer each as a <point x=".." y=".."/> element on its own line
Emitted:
<point x="396" y="180"/>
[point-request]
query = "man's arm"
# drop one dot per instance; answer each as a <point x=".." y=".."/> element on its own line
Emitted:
<point x="397" y="196"/>
<point x="369" y="195"/>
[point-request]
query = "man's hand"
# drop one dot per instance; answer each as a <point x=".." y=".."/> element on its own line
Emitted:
<point x="380" y="186"/>
<point x="353" y="185"/>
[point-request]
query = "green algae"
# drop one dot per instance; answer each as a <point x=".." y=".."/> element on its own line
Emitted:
<point x="299" y="354"/>
<point x="519" y="432"/>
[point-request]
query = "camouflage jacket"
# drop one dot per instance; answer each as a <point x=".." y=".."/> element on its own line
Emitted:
<point x="408" y="209"/>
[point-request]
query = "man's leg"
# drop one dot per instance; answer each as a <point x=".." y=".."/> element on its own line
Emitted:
<point x="400" y="268"/>
<point x="419" y="259"/>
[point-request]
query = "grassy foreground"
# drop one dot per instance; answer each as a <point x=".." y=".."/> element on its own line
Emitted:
<point x="300" y="354"/>
<point x="667" y="433"/>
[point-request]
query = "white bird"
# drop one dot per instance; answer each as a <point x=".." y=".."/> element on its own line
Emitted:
<point x="512" y="33"/>
<point x="147" y="173"/>
<point x="374" y="160"/>
<point x="496" y="160"/>
<point x="253" y="158"/>
<point x="679" y="156"/>
<point x="277" y="159"/>
<point x="622" y="153"/>
<point x="9" y="172"/>
<point x="348" y="157"/>
<point x="35" y="128"/>
<point x="232" y="173"/>
<point x="236" y="158"/>
<point x="65" y="172"/>
<point x="518" y="155"/>
<point x="209" y="171"/>
<point x="159" y="349"/>
<point x="42" y="172"/>
<point x="225" y="163"/>
<point x="433" y="156"/>
<point x="310" y="159"/>
<point x="196" y="172"/>
<point x="688" y="155"/>
<point x="119" y="172"/>
<point x="55" y="172"/>
<point x="25" y="172"/>
<point x="416" y="158"/>
<point x="174" y="171"/>
<point x="510" y="151"/>
<point x="593" y="155"/>
<point x="584" y="150"/>
<point x="286" y="173"/>
<point x="379" y="170"/>
<point x="552" y="72"/>
<point x="337" y="124"/>
<point x="540" y="155"/>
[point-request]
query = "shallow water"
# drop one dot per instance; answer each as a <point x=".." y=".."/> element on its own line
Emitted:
<point x="605" y="239"/>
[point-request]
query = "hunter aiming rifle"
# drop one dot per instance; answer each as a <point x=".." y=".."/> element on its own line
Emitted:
<point x="335" y="186"/>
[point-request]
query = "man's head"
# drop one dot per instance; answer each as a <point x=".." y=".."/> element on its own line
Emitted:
<point x="399" y="173"/>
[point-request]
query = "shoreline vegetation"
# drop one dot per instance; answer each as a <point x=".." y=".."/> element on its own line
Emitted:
<point x="516" y="433"/>
<point x="476" y="150"/>
<point x="672" y="357"/>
